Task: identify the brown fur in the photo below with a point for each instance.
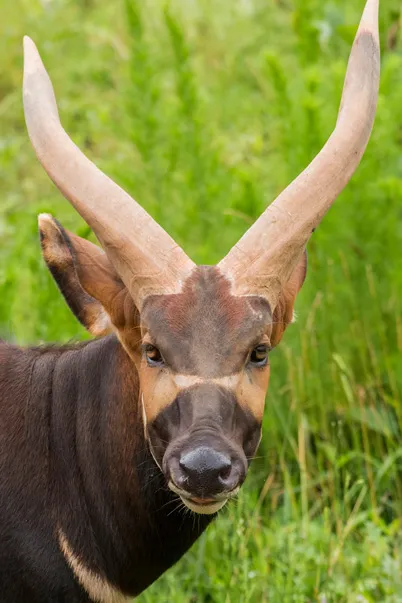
(100, 433)
(204, 331)
(59, 259)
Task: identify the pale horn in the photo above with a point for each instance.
(145, 256)
(265, 257)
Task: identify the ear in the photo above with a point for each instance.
(284, 311)
(86, 278)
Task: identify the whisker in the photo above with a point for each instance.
(178, 508)
(169, 502)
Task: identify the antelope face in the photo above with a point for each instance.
(205, 332)
(201, 355)
(204, 374)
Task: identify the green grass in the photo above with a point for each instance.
(204, 111)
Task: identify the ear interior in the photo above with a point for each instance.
(83, 274)
(284, 310)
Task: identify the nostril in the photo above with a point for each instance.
(225, 471)
(180, 478)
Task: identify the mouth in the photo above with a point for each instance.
(207, 507)
(203, 506)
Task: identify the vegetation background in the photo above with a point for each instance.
(204, 110)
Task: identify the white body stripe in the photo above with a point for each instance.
(98, 589)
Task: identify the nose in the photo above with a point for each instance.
(206, 472)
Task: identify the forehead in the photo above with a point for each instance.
(205, 330)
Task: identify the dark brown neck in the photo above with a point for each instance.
(91, 466)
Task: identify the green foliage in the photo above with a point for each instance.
(204, 111)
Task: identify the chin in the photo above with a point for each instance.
(204, 507)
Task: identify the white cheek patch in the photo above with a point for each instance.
(98, 589)
(184, 381)
(147, 439)
(144, 416)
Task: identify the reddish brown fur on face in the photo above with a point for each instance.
(205, 330)
(178, 308)
(207, 334)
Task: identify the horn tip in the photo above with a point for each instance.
(32, 60)
(369, 20)
(28, 44)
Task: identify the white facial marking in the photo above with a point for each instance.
(196, 507)
(204, 509)
(229, 382)
(144, 415)
(147, 439)
(98, 589)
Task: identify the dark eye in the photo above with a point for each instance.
(153, 355)
(259, 356)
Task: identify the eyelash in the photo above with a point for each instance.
(261, 349)
(152, 355)
(154, 358)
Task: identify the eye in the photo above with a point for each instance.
(153, 355)
(259, 356)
